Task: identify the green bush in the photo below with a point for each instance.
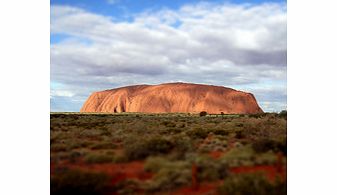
(142, 148)
(283, 114)
(168, 124)
(74, 156)
(154, 164)
(282, 146)
(171, 130)
(59, 147)
(103, 145)
(80, 144)
(183, 125)
(120, 158)
(220, 132)
(258, 115)
(79, 182)
(159, 145)
(197, 133)
(263, 145)
(93, 158)
(127, 187)
(91, 133)
(252, 183)
(239, 134)
(240, 156)
(267, 158)
(182, 144)
(168, 174)
(209, 169)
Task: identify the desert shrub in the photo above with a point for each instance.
(73, 157)
(257, 115)
(59, 147)
(105, 131)
(205, 148)
(239, 134)
(282, 146)
(214, 144)
(170, 178)
(220, 132)
(103, 145)
(127, 187)
(203, 113)
(172, 130)
(143, 148)
(168, 174)
(59, 135)
(168, 124)
(252, 183)
(264, 145)
(182, 125)
(267, 158)
(92, 158)
(182, 144)
(76, 144)
(197, 133)
(154, 164)
(209, 169)
(120, 158)
(79, 182)
(159, 145)
(283, 114)
(90, 133)
(59, 156)
(239, 156)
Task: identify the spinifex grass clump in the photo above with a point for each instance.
(168, 174)
(95, 158)
(252, 183)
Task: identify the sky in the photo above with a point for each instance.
(104, 44)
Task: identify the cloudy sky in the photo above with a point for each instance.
(103, 44)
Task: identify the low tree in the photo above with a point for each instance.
(283, 114)
(203, 113)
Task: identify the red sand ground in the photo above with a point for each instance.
(202, 188)
(119, 171)
(271, 171)
(135, 170)
(216, 154)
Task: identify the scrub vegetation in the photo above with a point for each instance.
(135, 153)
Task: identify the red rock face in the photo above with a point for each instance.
(172, 97)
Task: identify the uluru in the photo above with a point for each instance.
(172, 97)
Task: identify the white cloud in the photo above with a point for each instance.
(231, 45)
(62, 93)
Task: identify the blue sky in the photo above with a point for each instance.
(118, 8)
(103, 44)
(122, 10)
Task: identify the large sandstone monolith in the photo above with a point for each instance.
(172, 97)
